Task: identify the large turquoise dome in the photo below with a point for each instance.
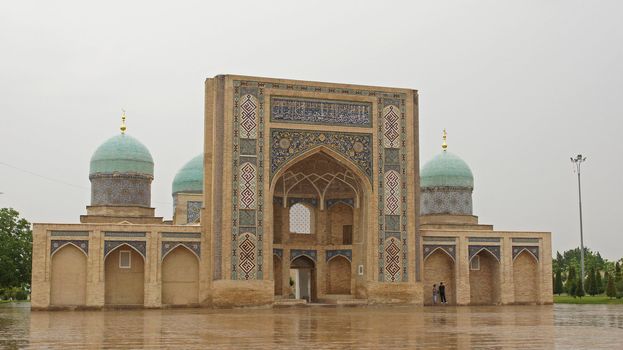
(446, 170)
(190, 178)
(122, 154)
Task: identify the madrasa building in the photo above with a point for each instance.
(304, 192)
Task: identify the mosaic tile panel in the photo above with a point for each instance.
(438, 239)
(278, 252)
(348, 201)
(347, 253)
(316, 111)
(295, 253)
(393, 266)
(69, 233)
(453, 202)
(124, 234)
(248, 117)
(140, 246)
(525, 240)
(247, 255)
(534, 250)
(484, 239)
(391, 127)
(493, 249)
(248, 186)
(247, 192)
(311, 201)
(121, 190)
(193, 210)
(167, 246)
(287, 144)
(392, 193)
(448, 248)
(58, 244)
(392, 180)
(181, 234)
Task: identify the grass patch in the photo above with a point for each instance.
(597, 299)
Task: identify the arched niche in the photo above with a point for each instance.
(68, 282)
(124, 275)
(180, 277)
(439, 266)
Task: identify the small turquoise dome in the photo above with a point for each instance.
(190, 178)
(446, 170)
(122, 154)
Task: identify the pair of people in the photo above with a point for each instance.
(441, 291)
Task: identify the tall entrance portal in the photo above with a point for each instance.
(315, 170)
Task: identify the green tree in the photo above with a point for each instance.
(15, 250)
(558, 289)
(599, 282)
(579, 289)
(617, 273)
(589, 282)
(611, 291)
(570, 284)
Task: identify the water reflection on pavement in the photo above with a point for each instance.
(372, 327)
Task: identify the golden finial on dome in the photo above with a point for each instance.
(444, 145)
(123, 127)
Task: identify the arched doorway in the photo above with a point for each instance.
(180, 277)
(322, 202)
(68, 285)
(525, 272)
(338, 276)
(439, 267)
(484, 279)
(124, 270)
(303, 272)
(278, 275)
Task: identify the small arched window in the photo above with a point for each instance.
(300, 219)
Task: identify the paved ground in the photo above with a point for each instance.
(376, 327)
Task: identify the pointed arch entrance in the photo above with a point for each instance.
(69, 276)
(439, 267)
(124, 276)
(180, 277)
(525, 278)
(484, 278)
(303, 272)
(336, 196)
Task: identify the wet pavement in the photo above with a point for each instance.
(372, 327)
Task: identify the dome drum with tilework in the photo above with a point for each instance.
(446, 186)
(121, 171)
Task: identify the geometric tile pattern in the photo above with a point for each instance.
(393, 265)
(248, 168)
(70, 233)
(392, 180)
(288, 143)
(248, 117)
(247, 255)
(120, 189)
(534, 250)
(139, 246)
(315, 111)
(449, 249)
(493, 249)
(347, 253)
(348, 201)
(81, 244)
(247, 186)
(167, 246)
(453, 201)
(193, 208)
(295, 253)
(392, 193)
(391, 127)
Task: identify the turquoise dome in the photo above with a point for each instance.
(446, 170)
(122, 154)
(190, 178)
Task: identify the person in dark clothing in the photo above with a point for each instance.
(442, 293)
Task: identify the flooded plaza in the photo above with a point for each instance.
(372, 327)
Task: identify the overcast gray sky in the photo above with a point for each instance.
(520, 85)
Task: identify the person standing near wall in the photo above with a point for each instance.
(442, 293)
(435, 292)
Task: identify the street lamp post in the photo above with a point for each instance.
(577, 161)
